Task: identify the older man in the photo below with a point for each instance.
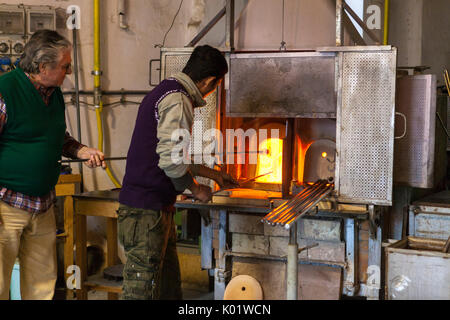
(32, 139)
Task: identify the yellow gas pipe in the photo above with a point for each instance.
(97, 90)
(386, 22)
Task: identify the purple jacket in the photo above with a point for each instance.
(145, 185)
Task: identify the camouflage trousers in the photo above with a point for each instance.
(152, 270)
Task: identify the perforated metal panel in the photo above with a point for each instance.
(414, 154)
(365, 126)
(173, 60)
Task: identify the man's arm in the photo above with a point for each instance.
(71, 147)
(176, 113)
(75, 150)
(223, 179)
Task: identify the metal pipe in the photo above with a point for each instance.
(229, 25)
(361, 23)
(386, 22)
(339, 30)
(292, 265)
(289, 203)
(109, 93)
(286, 209)
(301, 197)
(208, 27)
(301, 206)
(288, 143)
(77, 92)
(312, 197)
(304, 211)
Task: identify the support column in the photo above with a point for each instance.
(292, 265)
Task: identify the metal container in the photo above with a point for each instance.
(430, 217)
(417, 270)
(419, 159)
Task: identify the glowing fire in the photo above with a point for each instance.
(270, 161)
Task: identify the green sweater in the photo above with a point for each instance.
(32, 139)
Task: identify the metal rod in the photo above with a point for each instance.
(339, 31)
(443, 125)
(261, 175)
(229, 25)
(306, 210)
(275, 214)
(386, 22)
(288, 143)
(361, 23)
(306, 206)
(350, 27)
(289, 212)
(208, 27)
(77, 92)
(83, 160)
(245, 181)
(303, 204)
(300, 206)
(296, 201)
(108, 93)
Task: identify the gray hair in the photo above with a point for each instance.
(43, 47)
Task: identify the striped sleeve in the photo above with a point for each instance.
(71, 147)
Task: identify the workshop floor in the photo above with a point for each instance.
(188, 294)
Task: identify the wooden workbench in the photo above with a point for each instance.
(99, 204)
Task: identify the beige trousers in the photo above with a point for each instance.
(31, 238)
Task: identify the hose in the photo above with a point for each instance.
(97, 89)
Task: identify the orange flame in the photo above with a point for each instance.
(270, 161)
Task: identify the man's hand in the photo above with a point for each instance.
(225, 181)
(201, 192)
(96, 157)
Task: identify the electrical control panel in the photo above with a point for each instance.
(17, 25)
(12, 34)
(40, 17)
